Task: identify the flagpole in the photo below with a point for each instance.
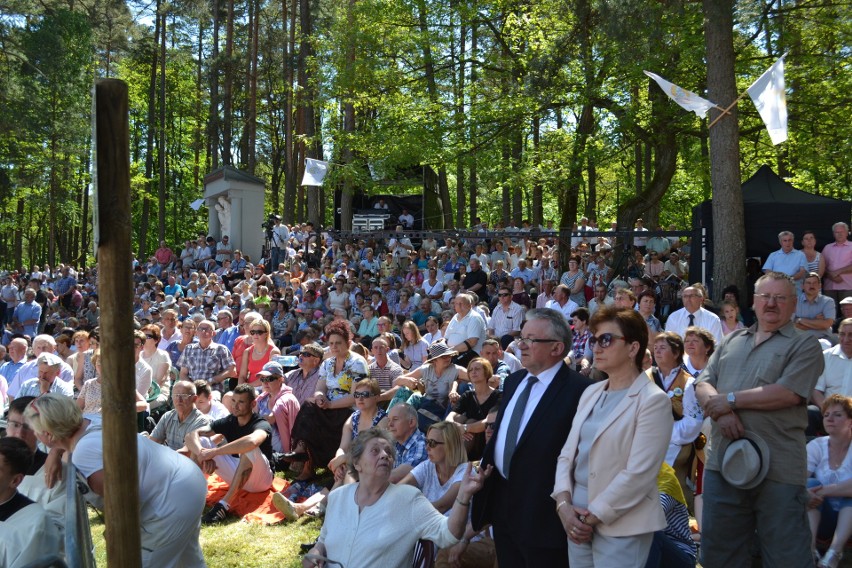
(725, 110)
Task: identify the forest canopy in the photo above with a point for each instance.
(524, 110)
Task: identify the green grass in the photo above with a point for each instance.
(237, 544)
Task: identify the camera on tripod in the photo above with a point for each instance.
(269, 224)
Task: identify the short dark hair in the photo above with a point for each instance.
(16, 453)
(631, 324)
(581, 313)
(19, 404)
(246, 388)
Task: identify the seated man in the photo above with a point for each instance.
(410, 442)
(49, 366)
(26, 533)
(243, 460)
(174, 426)
(33, 486)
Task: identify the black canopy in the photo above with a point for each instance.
(772, 205)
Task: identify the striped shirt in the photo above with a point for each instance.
(677, 524)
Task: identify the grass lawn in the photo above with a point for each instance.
(238, 544)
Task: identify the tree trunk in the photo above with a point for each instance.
(228, 95)
(728, 250)
(216, 64)
(460, 129)
(474, 51)
(163, 146)
(291, 163)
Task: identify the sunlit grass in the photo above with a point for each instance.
(238, 544)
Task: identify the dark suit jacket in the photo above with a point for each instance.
(522, 504)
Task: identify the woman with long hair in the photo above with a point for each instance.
(414, 349)
(259, 353)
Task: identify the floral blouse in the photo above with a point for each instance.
(338, 386)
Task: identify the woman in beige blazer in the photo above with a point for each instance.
(606, 477)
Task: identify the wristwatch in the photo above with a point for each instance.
(732, 400)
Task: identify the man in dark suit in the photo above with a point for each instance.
(538, 406)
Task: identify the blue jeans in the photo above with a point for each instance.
(666, 554)
(828, 512)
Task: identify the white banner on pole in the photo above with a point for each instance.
(315, 172)
(686, 99)
(770, 97)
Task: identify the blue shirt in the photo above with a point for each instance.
(413, 451)
(227, 337)
(28, 311)
(31, 388)
(9, 368)
(787, 262)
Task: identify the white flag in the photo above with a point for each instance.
(686, 99)
(315, 171)
(196, 205)
(770, 98)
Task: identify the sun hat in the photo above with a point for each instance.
(439, 349)
(745, 462)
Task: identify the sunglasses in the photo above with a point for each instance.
(489, 425)
(149, 336)
(362, 394)
(434, 443)
(604, 339)
(257, 331)
(269, 379)
(306, 354)
(503, 295)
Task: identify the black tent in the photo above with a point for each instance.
(771, 205)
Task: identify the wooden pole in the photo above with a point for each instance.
(727, 109)
(121, 499)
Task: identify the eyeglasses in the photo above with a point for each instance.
(257, 331)
(137, 344)
(434, 443)
(269, 379)
(503, 295)
(604, 339)
(530, 340)
(489, 425)
(362, 394)
(204, 329)
(778, 298)
(16, 424)
(179, 396)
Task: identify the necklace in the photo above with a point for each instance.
(838, 459)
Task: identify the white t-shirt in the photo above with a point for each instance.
(426, 475)
(144, 376)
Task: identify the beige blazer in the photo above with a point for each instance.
(625, 458)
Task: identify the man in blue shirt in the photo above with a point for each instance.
(227, 333)
(409, 441)
(17, 353)
(788, 260)
(27, 314)
(48, 379)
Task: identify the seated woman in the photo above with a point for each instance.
(673, 546)
(830, 480)
(160, 364)
(376, 523)
(434, 381)
(367, 415)
(316, 432)
(258, 353)
(414, 349)
(474, 405)
(439, 476)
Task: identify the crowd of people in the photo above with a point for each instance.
(472, 402)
